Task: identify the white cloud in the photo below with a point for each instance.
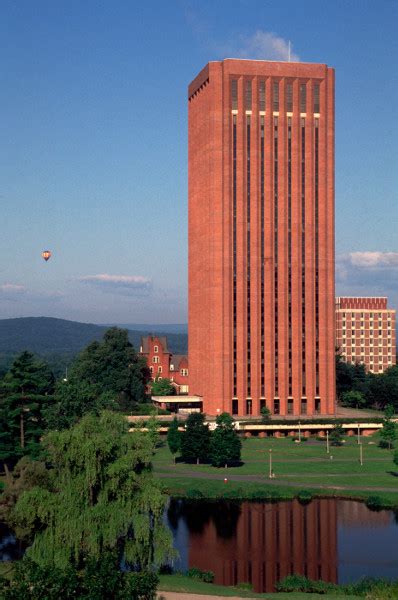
(265, 45)
(12, 288)
(374, 260)
(368, 274)
(121, 284)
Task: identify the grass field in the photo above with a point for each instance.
(181, 583)
(296, 467)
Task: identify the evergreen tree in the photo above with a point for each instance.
(195, 439)
(225, 445)
(103, 498)
(25, 395)
(174, 438)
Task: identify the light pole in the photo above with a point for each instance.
(327, 441)
(360, 454)
(270, 463)
(299, 424)
(359, 434)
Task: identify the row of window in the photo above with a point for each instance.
(373, 335)
(276, 406)
(366, 315)
(183, 372)
(275, 100)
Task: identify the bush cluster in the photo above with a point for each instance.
(206, 576)
(100, 579)
(368, 587)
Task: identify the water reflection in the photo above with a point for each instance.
(262, 543)
(10, 547)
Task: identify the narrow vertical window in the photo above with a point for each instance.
(262, 248)
(289, 97)
(276, 322)
(261, 95)
(303, 345)
(234, 94)
(234, 262)
(275, 96)
(248, 95)
(248, 290)
(303, 98)
(316, 98)
(316, 181)
(289, 250)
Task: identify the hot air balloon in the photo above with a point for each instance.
(46, 254)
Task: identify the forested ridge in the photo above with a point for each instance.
(57, 341)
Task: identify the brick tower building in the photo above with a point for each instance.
(261, 237)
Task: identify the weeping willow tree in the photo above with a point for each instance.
(103, 498)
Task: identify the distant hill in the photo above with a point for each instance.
(166, 328)
(59, 340)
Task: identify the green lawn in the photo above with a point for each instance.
(181, 583)
(296, 466)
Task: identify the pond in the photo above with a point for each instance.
(260, 543)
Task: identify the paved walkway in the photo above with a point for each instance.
(276, 481)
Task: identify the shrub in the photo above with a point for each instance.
(368, 587)
(244, 586)
(141, 586)
(304, 496)
(194, 494)
(296, 438)
(299, 583)
(374, 502)
(195, 573)
(384, 444)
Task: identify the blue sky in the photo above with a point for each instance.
(93, 153)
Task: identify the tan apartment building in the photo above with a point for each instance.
(365, 332)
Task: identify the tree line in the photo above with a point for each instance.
(196, 443)
(106, 375)
(79, 489)
(356, 388)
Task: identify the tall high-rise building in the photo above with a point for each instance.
(365, 332)
(261, 237)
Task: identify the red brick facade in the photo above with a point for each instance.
(365, 332)
(162, 363)
(261, 237)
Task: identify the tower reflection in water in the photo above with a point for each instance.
(260, 543)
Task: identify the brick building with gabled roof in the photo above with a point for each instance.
(163, 364)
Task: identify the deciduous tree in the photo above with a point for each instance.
(388, 433)
(104, 497)
(336, 435)
(353, 399)
(162, 387)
